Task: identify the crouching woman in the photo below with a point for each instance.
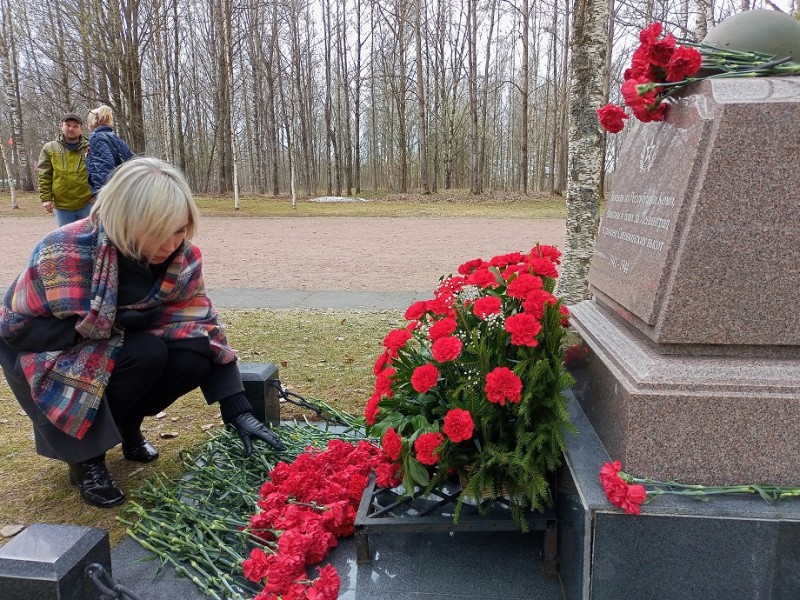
(110, 323)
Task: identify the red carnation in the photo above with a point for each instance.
(523, 328)
(442, 328)
(501, 385)
(424, 378)
(648, 112)
(524, 284)
(446, 348)
(482, 278)
(640, 65)
(564, 315)
(685, 62)
(619, 492)
(662, 50)
(543, 267)
(395, 340)
(638, 92)
(612, 117)
(388, 475)
(383, 382)
(426, 446)
(416, 311)
(392, 443)
(487, 305)
(256, 567)
(382, 361)
(650, 34)
(470, 266)
(441, 305)
(450, 286)
(371, 410)
(546, 251)
(503, 260)
(534, 303)
(458, 425)
(326, 586)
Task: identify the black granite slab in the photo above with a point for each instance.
(48, 562)
(729, 547)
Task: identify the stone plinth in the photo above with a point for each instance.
(263, 397)
(695, 369)
(48, 562)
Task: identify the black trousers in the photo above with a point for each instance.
(150, 374)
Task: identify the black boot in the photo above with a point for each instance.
(136, 447)
(96, 485)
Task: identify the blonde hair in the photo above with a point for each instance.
(102, 115)
(145, 199)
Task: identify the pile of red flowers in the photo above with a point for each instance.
(659, 67)
(621, 493)
(472, 384)
(305, 506)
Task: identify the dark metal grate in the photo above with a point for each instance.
(390, 511)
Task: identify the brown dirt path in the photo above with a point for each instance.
(325, 253)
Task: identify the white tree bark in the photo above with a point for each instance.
(586, 140)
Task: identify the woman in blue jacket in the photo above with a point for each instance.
(106, 149)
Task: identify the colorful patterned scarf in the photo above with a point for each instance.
(74, 271)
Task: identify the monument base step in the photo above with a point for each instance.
(711, 420)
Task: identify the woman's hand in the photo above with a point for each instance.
(248, 427)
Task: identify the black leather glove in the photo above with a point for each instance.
(137, 320)
(248, 427)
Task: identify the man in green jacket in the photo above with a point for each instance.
(63, 183)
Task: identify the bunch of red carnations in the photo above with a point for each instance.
(660, 68)
(305, 506)
(472, 384)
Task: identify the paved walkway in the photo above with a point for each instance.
(324, 262)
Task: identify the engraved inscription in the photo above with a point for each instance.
(632, 218)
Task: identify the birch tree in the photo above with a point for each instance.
(589, 48)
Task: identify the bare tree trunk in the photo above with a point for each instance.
(704, 10)
(524, 91)
(12, 186)
(472, 50)
(563, 154)
(485, 96)
(330, 136)
(590, 44)
(227, 41)
(357, 103)
(423, 126)
(176, 87)
(273, 80)
(8, 64)
(344, 92)
(287, 123)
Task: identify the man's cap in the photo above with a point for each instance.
(72, 117)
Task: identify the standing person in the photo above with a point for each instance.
(120, 331)
(63, 183)
(107, 150)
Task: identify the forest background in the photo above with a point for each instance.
(327, 96)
